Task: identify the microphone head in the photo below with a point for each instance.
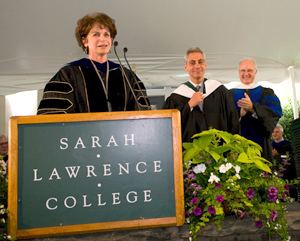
(116, 43)
(125, 50)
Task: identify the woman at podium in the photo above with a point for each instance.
(94, 84)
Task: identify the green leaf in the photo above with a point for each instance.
(214, 155)
(225, 136)
(197, 160)
(262, 166)
(190, 154)
(219, 211)
(224, 148)
(187, 145)
(262, 159)
(244, 158)
(202, 142)
(203, 133)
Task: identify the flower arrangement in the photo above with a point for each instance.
(3, 200)
(225, 174)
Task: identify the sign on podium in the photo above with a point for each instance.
(95, 172)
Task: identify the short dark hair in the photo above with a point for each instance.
(193, 50)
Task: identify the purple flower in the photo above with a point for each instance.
(211, 210)
(208, 162)
(198, 188)
(200, 157)
(187, 214)
(185, 172)
(266, 174)
(194, 200)
(283, 197)
(250, 193)
(192, 176)
(286, 187)
(273, 215)
(272, 197)
(185, 179)
(193, 185)
(197, 211)
(258, 223)
(273, 190)
(219, 198)
(217, 185)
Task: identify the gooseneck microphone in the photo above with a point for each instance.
(136, 81)
(124, 74)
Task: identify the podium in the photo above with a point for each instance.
(94, 172)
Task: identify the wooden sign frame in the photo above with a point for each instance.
(177, 220)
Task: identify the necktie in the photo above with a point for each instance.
(198, 87)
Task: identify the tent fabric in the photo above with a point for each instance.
(37, 38)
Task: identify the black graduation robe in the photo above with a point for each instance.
(283, 147)
(219, 110)
(258, 126)
(290, 172)
(76, 88)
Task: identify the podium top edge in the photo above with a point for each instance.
(95, 116)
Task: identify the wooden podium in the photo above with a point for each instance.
(95, 172)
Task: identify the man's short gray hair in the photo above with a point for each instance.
(192, 50)
(278, 126)
(3, 137)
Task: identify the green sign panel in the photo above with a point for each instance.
(77, 173)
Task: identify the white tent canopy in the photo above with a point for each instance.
(37, 38)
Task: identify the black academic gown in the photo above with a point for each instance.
(258, 127)
(76, 88)
(219, 110)
(283, 148)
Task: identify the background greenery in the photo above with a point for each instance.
(287, 117)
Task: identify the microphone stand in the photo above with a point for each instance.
(123, 72)
(136, 82)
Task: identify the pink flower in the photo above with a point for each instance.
(219, 198)
(272, 197)
(286, 187)
(283, 197)
(198, 188)
(217, 185)
(250, 193)
(258, 223)
(194, 200)
(211, 210)
(273, 215)
(273, 190)
(192, 176)
(197, 211)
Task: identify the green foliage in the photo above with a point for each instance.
(3, 200)
(287, 117)
(225, 173)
